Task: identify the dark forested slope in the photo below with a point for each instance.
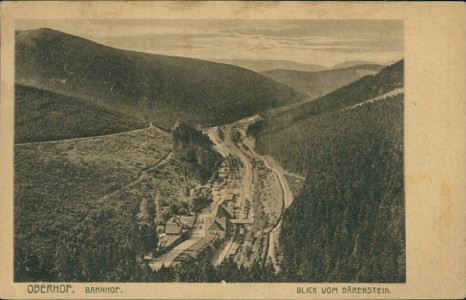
(162, 88)
(347, 224)
(368, 87)
(45, 116)
(195, 149)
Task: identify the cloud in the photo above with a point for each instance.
(306, 41)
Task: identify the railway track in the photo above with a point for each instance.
(243, 155)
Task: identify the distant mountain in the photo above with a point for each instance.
(391, 62)
(316, 84)
(389, 79)
(347, 223)
(353, 63)
(265, 65)
(156, 87)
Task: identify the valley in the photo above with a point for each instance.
(152, 174)
(316, 84)
(136, 167)
(156, 88)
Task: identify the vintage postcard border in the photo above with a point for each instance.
(434, 142)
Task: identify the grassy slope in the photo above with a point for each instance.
(45, 116)
(317, 84)
(347, 223)
(162, 88)
(76, 201)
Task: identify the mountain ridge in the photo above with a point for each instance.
(42, 116)
(353, 63)
(389, 78)
(158, 87)
(347, 223)
(319, 83)
(269, 64)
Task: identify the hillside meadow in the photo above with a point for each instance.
(76, 203)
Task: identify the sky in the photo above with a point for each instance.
(321, 42)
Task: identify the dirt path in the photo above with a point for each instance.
(96, 136)
(287, 199)
(274, 165)
(143, 173)
(168, 258)
(224, 253)
(378, 98)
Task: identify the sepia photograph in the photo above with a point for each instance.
(208, 150)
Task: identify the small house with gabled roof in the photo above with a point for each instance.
(173, 226)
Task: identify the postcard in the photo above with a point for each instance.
(232, 150)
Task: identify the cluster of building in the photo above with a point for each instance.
(175, 231)
(218, 221)
(226, 188)
(223, 220)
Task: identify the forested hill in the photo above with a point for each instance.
(161, 88)
(41, 115)
(261, 65)
(352, 63)
(318, 83)
(371, 86)
(347, 223)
